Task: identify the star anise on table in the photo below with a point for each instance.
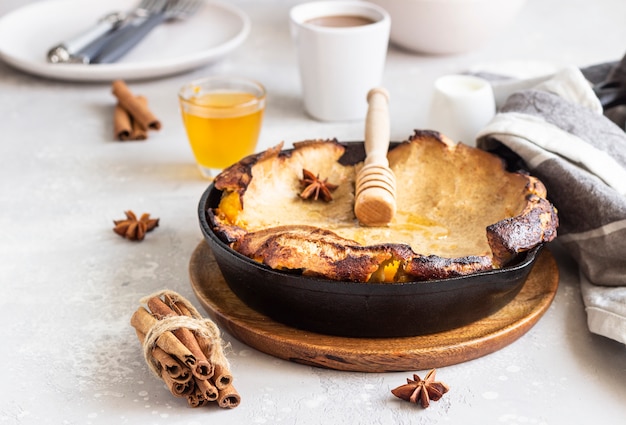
(133, 228)
(421, 391)
(316, 188)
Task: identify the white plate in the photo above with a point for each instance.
(27, 34)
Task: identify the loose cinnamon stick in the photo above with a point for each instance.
(139, 112)
(203, 369)
(122, 125)
(228, 397)
(143, 321)
(138, 132)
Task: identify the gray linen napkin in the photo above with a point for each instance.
(558, 129)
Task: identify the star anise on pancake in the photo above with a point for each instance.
(421, 391)
(316, 188)
(133, 228)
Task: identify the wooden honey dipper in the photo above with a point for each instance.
(375, 194)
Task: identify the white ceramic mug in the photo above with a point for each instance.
(339, 64)
(461, 106)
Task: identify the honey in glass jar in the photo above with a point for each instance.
(223, 118)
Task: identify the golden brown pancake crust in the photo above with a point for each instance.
(459, 212)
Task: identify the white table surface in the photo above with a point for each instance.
(70, 285)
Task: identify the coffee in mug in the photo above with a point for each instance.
(341, 46)
(341, 21)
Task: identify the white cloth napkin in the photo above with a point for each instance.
(558, 129)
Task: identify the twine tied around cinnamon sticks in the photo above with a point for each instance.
(185, 350)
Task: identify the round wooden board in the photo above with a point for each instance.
(376, 354)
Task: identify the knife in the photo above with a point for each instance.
(84, 47)
(66, 51)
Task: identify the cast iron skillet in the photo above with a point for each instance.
(367, 310)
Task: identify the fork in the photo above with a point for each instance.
(82, 47)
(142, 12)
(127, 37)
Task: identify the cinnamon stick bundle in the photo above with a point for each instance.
(168, 365)
(132, 117)
(202, 369)
(143, 322)
(184, 350)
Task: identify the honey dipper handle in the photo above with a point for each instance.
(377, 131)
(375, 186)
